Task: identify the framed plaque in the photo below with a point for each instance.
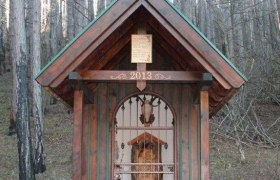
(141, 48)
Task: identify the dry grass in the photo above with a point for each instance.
(260, 163)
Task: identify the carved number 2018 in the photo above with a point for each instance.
(140, 75)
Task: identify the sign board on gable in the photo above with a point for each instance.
(141, 48)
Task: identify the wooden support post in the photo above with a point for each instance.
(204, 110)
(77, 84)
(77, 135)
(141, 84)
(206, 81)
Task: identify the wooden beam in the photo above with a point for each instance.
(141, 84)
(151, 76)
(202, 85)
(204, 110)
(77, 135)
(78, 85)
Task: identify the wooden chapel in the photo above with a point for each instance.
(141, 80)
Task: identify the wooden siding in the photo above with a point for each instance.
(204, 108)
(98, 120)
(77, 135)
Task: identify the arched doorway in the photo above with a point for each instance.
(143, 138)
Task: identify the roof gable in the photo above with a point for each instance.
(146, 136)
(93, 42)
(72, 41)
(207, 40)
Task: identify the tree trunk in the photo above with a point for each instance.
(187, 7)
(70, 19)
(37, 99)
(54, 27)
(90, 10)
(190, 11)
(80, 16)
(7, 64)
(12, 126)
(237, 29)
(224, 35)
(278, 10)
(26, 168)
(60, 25)
(202, 16)
(3, 36)
(274, 27)
(210, 20)
(2, 53)
(100, 6)
(28, 25)
(108, 2)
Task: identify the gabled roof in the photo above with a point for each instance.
(146, 136)
(88, 49)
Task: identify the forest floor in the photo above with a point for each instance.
(260, 164)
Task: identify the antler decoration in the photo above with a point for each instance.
(144, 99)
(147, 117)
(138, 97)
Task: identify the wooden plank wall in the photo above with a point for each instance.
(98, 119)
(77, 134)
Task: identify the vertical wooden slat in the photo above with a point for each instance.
(89, 141)
(190, 97)
(102, 120)
(94, 142)
(180, 131)
(174, 100)
(185, 159)
(77, 135)
(113, 103)
(195, 149)
(204, 110)
(108, 136)
(84, 141)
(198, 140)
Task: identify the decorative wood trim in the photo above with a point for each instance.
(151, 76)
(77, 135)
(204, 110)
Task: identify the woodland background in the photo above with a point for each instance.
(245, 135)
